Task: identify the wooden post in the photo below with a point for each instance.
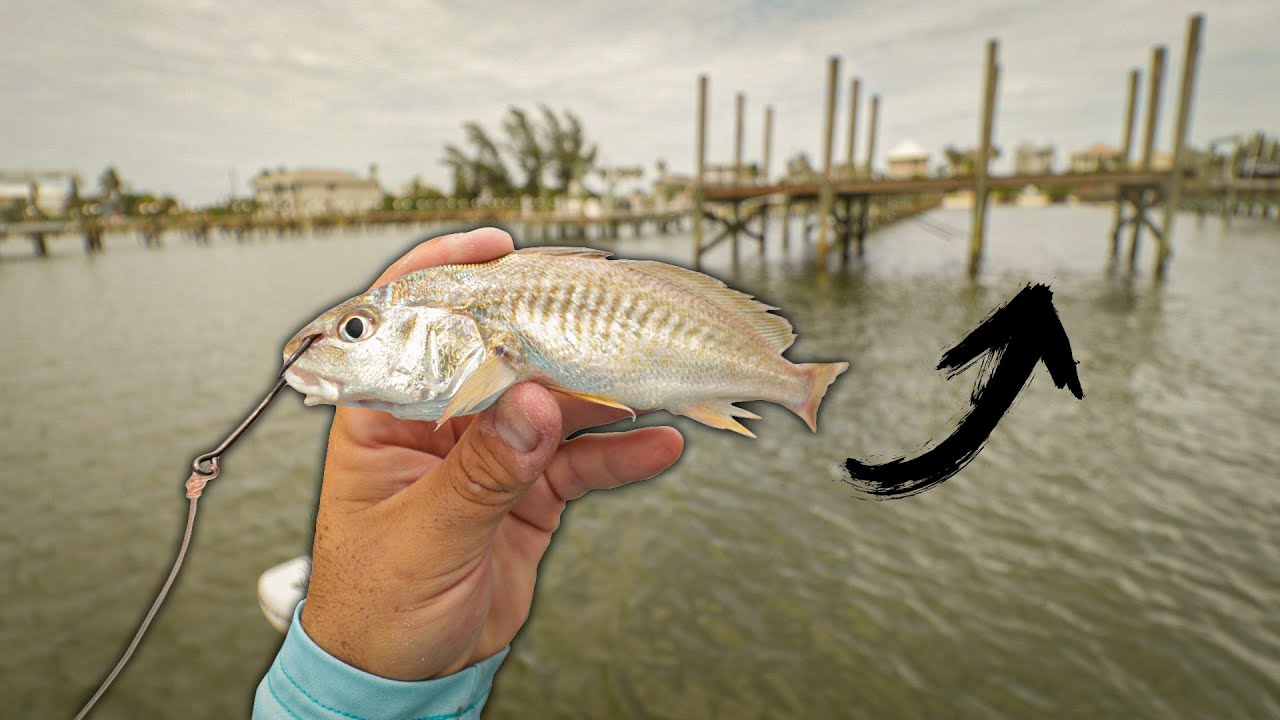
(768, 144)
(1186, 86)
(855, 88)
(737, 139)
(1130, 114)
(786, 225)
(1130, 107)
(737, 168)
(871, 134)
(1148, 142)
(700, 160)
(828, 132)
(980, 190)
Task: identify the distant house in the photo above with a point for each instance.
(307, 192)
(724, 174)
(908, 160)
(1097, 158)
(960, 163)
(1031, 159)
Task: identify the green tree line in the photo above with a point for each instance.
(547, 152)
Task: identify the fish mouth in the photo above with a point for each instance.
(318, 390)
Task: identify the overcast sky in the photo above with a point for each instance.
(182, 93)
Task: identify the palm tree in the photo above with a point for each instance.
(489, 171)
(525, 147)
(110, 185)
(463, 168)
(570, 158)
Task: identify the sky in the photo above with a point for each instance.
(188, 96)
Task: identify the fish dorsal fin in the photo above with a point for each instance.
(774, 329)
(569, 251)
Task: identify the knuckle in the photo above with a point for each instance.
(480, 477)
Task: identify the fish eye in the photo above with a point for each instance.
(357, 326)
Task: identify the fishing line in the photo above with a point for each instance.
(203, 469)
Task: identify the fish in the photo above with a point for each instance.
(637, 335)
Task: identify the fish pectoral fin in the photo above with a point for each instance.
(597, 399)
(492, 377)
(719, 415)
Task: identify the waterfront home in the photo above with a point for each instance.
(1097, 158)
(908, 160)
(310, 191)
(1031, 159)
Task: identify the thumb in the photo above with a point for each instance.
(500, 455)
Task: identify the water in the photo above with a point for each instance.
(1116, 557)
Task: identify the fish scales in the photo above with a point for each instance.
(634, 334)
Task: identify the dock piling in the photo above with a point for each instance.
(768, 145)
(981, 164)
(1148, 143)
(828, 131)
(1130, 114)
(855, 88)
(740, 106)
(1186, 87)
(872, 121)
(700, 162)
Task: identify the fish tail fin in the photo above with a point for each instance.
(819, 377)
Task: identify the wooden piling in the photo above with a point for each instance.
(855, 87)
(1186, 87)
(872, 120)
(980, 190)
(768, 145)
(1130, 108)
(737, 168)
(828, 131)
(700, 161)
(1148, 142)
(737, 138)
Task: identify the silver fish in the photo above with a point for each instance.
(636, 335)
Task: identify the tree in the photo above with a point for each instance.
(110, 185)
(800, 169)
(488, 170)
(464, 180)
(570, 157)
(524, 145)
(559, 146)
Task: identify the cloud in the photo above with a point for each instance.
(177, 94)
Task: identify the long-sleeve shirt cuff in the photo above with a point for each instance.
(307, 682)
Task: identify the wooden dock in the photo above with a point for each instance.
(840, 205)
(202, 228)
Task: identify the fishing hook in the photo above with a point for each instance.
(203, 469)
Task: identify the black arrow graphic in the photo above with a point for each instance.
(1013, 339)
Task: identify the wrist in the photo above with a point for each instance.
(306, 679)
(395, 646)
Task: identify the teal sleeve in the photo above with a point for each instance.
(306, 682)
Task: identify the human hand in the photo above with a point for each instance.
(428, 541)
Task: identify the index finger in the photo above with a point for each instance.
(459, 248)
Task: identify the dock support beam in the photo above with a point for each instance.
(737, 163)
(1126, 149)
(763, 177)
(1148, 142)
(828, 130)
(700, 161)
(855, 88)
(1186, 87)
(980, 189)
(871, 134)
